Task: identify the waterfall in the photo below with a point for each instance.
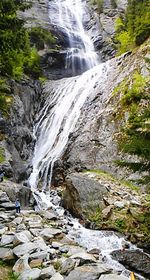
(65, 98)
(68, 15)
(58, 118)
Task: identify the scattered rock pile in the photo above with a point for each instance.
(37, 243)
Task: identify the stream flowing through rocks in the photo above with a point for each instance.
(57, 120)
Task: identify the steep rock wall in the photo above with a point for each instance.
(16, 128)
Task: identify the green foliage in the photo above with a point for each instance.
(32, 64)
(2, 155)
(120, 223)
(13, 276)
(134, 29)
(134, 93)
(5, 98)
(39, 37)
(95, 215)
(15, 51)
(135, 133)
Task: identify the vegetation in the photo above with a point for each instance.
(6, 270)
(2, 155)
(16, 55)
(5, 97)
(99, 4)
(39, 37)
(133, 107)
(134, 29)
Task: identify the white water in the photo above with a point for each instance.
(65, 98)
(68, 15)
(58, 118)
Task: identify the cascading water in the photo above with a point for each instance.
(65, 99)
(68, 15)
(61, 110)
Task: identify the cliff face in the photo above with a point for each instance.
(16, 128)
(94, 143)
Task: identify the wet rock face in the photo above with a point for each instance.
(134, 260)
(81, 193)
(101, 26)
(18, 139)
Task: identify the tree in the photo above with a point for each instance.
(15, 48)
(134, 29)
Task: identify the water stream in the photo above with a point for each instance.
(61, 111)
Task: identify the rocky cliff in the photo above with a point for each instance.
(95, 141)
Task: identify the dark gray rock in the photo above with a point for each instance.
(81, 193)
(135, 260)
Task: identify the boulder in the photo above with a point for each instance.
(22, 237)
(88, 272)
(23, 249)
(42, 255)
(47, 272)
(49, 233)
(135, 260)
(6, 254)
(113, 277)
(3, 197)
(49, 215)
(36, 263)
(82, 193)
(67, 266)
(21, 265)
(8, 205)
(33, 274)
(84, 258)
(7, 239)
(57, 276)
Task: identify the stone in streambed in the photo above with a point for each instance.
(22, 264)
(6, 254)
(7, 239)
(88, 272)
(84, 258)
(134, 259)
(79, 192)
(22, 237)
(47, 272)
(113, 277)
(33, 274)
(57, 276)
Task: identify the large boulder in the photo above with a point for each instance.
(135, 260)
(82, 193)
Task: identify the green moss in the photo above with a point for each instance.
(57, 265)
(134, 109)
(5, 98)
(99, 4)
(136, 92)
(94, 214)
(2, 155)
(120, 224)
